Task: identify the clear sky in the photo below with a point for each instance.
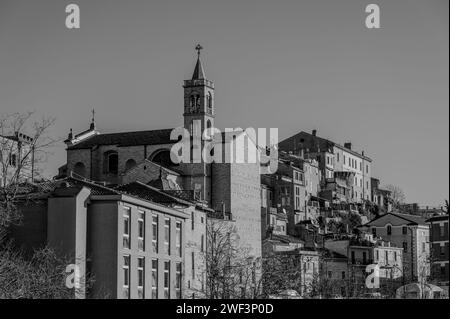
(296, 65)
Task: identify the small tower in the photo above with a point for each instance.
(198, 116)
(198, 99)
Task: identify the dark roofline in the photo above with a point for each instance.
(402, 216)
(339, 146)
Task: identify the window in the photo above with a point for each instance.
(367, 169)
(364, 257)
(395, 256)
(374, 232)
(386, 257)
(424, 247)
(126, 227)
(192, 220)
(154, 279)
(389, 230)
(141, 230)
(377, 254)
(353, 258)
(405, 247)
(111, 162)
(442, 230)
(141, 277)
(404, 230)
(130, 164)
(167, 236)
(126, 277)
(344, 159)
(193, 265)
(202, 247)
(330, 274)
(178, 280)
(178, 238)
(343, 275)
(337, 157)
(155, 233)
(166, 279)
(442, 250)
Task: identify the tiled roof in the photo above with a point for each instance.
(150, 193)
(419, 220)
(153, 137)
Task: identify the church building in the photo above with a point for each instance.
(232, 190)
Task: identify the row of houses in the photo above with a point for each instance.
(122, 210)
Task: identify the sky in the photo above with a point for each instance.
(290, 64)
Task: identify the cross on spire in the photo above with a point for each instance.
(93, 120)
(198, 48)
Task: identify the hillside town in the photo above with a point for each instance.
(136, 225)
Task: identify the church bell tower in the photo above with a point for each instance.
(198, 100)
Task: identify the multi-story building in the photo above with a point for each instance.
(333, 158)
(132, 239)
(409, 232)
(381, 197)
(439, 249)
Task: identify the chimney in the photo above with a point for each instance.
(314, 132)
(348, 145)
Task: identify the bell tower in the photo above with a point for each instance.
(198, 116)
(198, 100)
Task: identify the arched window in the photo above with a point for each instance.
(192, 102)
(111, 162)
(79, 169)
(210, 102)
(389, 230)
(130, 164)
(162, 157)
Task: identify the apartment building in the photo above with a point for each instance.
(133, 239)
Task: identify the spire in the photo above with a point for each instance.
(199, 73)
(92, 127)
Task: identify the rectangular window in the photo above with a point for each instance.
(395, 256)
(126, 227)
(378, 254)
(155, 233)
(154, 279)
(442, 250)
(405, 247)
(193, 265)
(141, 230)
(178, 280)
(364, 257)
(343, 275)
(367, 169)
(386, 257)
(167, 236)
(166, 279)
(374, 232)
(353, 258)
(423, 247)
(141, 277)
(337, 155)
(202, 247)
(404, 230)
(126, 276)
(192, 221)
(178, 239)
(441, 231)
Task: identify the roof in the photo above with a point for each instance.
(326, 253)
(153, 194)
(325, 144)
(285, 239)
(199, 73)
(438, 218)
(153, 137)
(414, 219)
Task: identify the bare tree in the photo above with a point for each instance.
(24, 142)
(397, 195)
